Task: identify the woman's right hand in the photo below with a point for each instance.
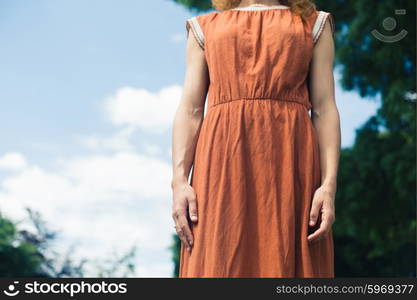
(184, 205)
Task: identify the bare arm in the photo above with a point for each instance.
(187, 122)
(326, 120)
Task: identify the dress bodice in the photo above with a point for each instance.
(258, 52)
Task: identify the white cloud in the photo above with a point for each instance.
(117, 142)
(100, 201)
(152, 149)
(117, 196)
(150, 112)
(12, 161)
(354, 112)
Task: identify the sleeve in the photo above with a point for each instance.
(322, 17)
(194, 25)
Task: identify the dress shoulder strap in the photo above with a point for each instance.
(322, 17)
(194, 25)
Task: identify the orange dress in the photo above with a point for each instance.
(256, 163)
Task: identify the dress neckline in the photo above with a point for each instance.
(260, 7)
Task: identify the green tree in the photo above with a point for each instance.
(375, 227)
(17, 257)
(376, 199)
(195, 5)
(176, 246)
(25, 253)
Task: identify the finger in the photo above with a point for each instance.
(314, 212)
(315, 236)
(192, 208)
(183, 223)
(183, 238)
(319, 233)
(178, 227)
(186, 229)
(180, 234)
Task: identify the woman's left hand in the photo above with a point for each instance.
(323, 206)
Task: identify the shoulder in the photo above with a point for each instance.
(202, 21)
(317, 15)
(316, 21)
(205, 18)
(199, 25)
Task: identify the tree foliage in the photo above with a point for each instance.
(32, 253)
(195, 5)
(18, 257)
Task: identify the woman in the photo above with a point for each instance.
(260, 202)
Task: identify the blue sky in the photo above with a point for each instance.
(88, 91)
(61, 58)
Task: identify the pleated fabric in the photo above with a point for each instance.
(257, 163)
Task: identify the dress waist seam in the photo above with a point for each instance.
(259, 98)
